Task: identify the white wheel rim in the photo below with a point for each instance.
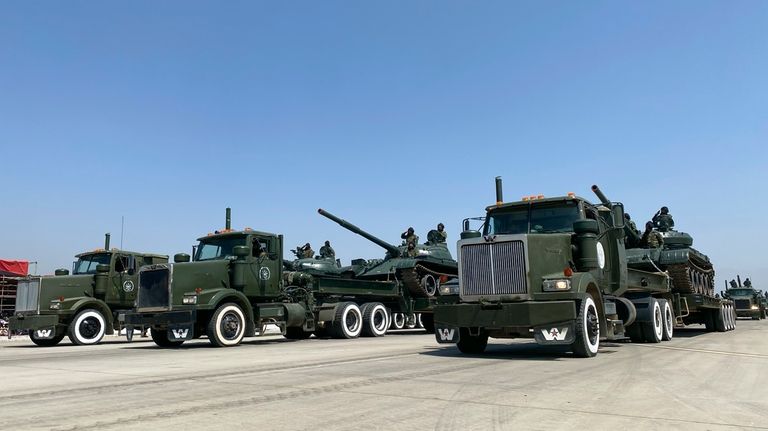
(590, 304)
(399, 319)
(91, 314)
(658, 324)
(379, 320)
(351, 324)
(240, 330)
(668, 320)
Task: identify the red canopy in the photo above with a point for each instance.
(14, 267)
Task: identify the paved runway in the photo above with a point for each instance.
(713, 381)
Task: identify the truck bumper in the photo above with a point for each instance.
(33, 322)
(161, 319)
(517, 314)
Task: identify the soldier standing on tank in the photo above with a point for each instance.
(409, 236)
(663, 220)
(747, 282)
(411, 249)
(307, 252)
(327, 251)
(630, 223)
(651, 238)
(442, 235)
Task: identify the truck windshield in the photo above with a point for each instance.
(534, 219)
(740, 292)
(87, 264)
(219, 248)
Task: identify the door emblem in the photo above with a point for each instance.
(264, 273)
(128, 286)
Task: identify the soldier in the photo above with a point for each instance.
(630, 223)
(412, 252)
(663, 220)
(307, 252)
(327, 251)
(747, 283)
(409, 236)
(437, 236)
(733, 284)
(442, 234)
(651, 238)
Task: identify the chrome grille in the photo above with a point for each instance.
(493, 269)
(742, 304)
(27, 294)
(154, 291)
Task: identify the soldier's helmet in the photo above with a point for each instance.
(410, 230)
(440, 226)
(328, 243)
(664, 210)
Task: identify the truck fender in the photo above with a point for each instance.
(583, 283)
(231, 295)
(85, 302)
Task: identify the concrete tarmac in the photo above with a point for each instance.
(406, 381)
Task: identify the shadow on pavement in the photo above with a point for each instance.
(526, 351)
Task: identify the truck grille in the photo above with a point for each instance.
(493, 269)
(27, 294)
(154, 288)
(742, 304)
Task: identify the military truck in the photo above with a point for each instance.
(235, 285)
(748, 301)
(556, 270)
(82, 305)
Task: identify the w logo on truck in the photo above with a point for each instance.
(447, 335)
(554, 334)
(44, 333)
(180, 333)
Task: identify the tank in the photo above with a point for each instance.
(420, 274)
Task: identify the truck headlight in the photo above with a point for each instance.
(449, 289)
(754, 307)
(55, 305)
(189, 299)
(556, 285)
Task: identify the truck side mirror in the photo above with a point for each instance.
(241, 251)
(180, 257)
(102, 268)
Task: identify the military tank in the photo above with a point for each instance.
(421, 274)
(691, 271)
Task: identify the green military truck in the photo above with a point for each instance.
(237, 283)
(748, 301)
(82, 305)
(556, 270)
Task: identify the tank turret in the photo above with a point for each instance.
(421, 270)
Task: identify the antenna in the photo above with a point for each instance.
(122, 226)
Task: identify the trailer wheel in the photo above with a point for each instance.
(398, 320)
(227, 326)
(587, 332)
(87, 328)
(428, 320)
(348, 321)
(160, 337)
(710, 318)
(668, 318)
(417, 319)
(720, 319)
(296, 333)
(410, 321)
(732, 314)
(635, 333)
(654, 330)
(472, 344)
(375, 319)
(47, 342)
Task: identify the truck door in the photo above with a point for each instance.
(266, 267)
(124, 280)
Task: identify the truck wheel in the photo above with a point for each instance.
(296, 333)
(348, 321)
(668, 318)
(160, 337)
(47, 342)
(419, 323)
(398, 320)
(375, 319)
(720, 319)
(227, 326)
(428, 320)
(654, 330)
(410, 321)
(472, 344)
(88, 327)
(587, 329)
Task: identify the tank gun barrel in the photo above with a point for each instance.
(393, 250)
(599, 193)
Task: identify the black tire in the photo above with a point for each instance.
(635, 333)
(375, 319)
(653, 330)
(227, 326)
(668, 320)
(428, 320)
(720, 319)
(87, 328)
(47, 342)
(347, 321)
(160, 337)
(472, 344)
(587, 334)
(296, 333)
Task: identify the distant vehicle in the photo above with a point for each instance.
(748, 301)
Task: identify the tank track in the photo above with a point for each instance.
(411, 278)
(691, 278)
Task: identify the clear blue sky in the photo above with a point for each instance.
(388, 114)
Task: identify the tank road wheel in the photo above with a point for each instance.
(227, 326)
(398, 320)
(720, 317)
(654, 330)
(472, 344)
(47, 342)
(160, 337)
(88, 327)
(668, 318)
(348, 321)
(430, 285)
(587, 329)
(296, 333)
(428, 320)
(375, 319)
